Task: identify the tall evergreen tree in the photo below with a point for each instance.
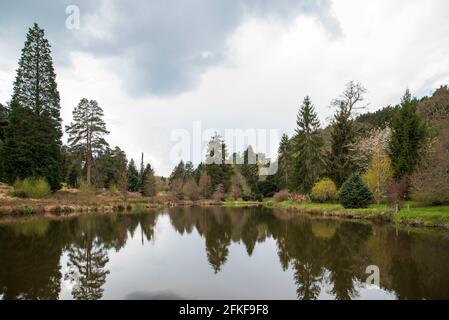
(284, 163)
(133, 176)
(219, 171)
(250, 168)
(307, 148)
(33, 136)
(3, 123)
(407, 139)
(86, 133)
(340, 160)
(141, 185)
(150, 184)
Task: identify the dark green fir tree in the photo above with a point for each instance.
(307, 146)
(32, 146)
(407, 139)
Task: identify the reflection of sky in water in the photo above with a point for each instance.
(175, 266)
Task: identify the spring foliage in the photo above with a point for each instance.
(324, 191)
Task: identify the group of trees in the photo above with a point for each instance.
(399, 150)
(31, 132)
(385, 147)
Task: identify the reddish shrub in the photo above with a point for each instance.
(396, 192)
(281, 196)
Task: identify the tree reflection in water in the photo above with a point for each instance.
(325, 257)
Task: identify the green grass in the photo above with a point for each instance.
(239, 203)
(438, 215)
(336, 208)
(411, 212)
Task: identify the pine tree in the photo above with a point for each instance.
(341, 157)
(250, 168)
(307, 148)
(86, 133)
(284, 163)
(150, 183)
(189, 170)
(133, 176)
(407, 139)
(219, 171)
(33, 137)
(141, 185)
(3, 123)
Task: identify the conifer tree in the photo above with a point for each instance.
(3, 124)
(3, 121)
(407, 139)
(150, 183)
(307, 148)
(141, 185)
(341, 157)
(133, 176)
(86, 133)
(219, 171)
(284, 163)
(250, 168)
(32, 144)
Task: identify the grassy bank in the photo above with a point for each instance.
(411, 214)
(68, 201)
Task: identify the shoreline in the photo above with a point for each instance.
(373, 213)
(382, 214)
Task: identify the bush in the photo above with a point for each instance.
(355, 193)
(113, 189)
(85, 188)
(396, 192)
(191, 190)
(281, 196)
(267, 188)
(299, 198)
(32, 188)
(324, 191)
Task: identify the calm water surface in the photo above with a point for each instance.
(218, 253)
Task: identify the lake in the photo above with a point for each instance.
(219, 253)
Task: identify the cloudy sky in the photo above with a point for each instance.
(158, 67)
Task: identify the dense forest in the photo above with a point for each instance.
(395, 153)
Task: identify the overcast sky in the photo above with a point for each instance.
(159, 66)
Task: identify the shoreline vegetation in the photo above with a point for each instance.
(70, 202)
(378, 166)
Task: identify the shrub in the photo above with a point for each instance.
(32, 188)
(324, 191)
(191, 190)
(113, 189)
(85, 188)
(267, 188)
(281, 196)
(396, 192)
(299, 198)
(219, 193)
(355, 193)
